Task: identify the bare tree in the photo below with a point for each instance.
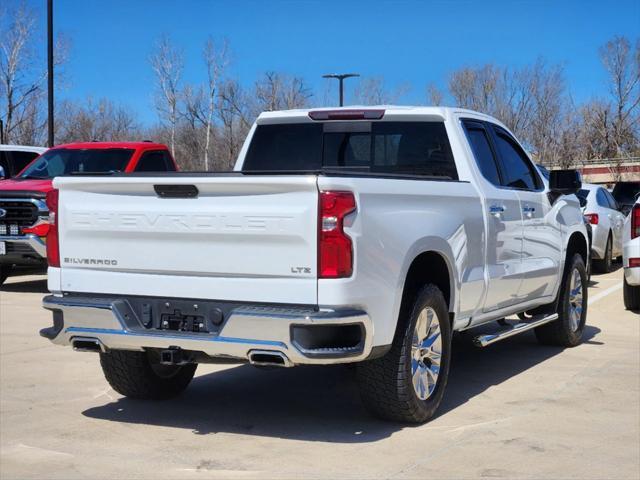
(622, 62)
(91, 120)
(372, 91)
(235, 114)
(276, 91)
(167, 63)
(22, 77)
(434, 95)
(216, 60)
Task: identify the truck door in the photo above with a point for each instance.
(542, 239)
(504, 223)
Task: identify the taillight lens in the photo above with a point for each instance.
(592, 218)
(335, 250)
(53, 248)
(635, 221)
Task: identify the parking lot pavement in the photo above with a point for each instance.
(513, 410)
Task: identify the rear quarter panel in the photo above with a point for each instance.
(396, 221)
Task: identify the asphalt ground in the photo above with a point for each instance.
(512, 410)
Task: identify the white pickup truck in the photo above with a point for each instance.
(349, 235)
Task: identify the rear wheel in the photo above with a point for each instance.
(567, 330)
(408, 383)
(604, 265)
(141, 375)
(631, 295)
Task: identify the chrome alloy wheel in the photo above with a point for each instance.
(575, 300)
(426, 352)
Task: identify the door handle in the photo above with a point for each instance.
(496, 210)
(528, 210)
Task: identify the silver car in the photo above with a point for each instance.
(606, 220)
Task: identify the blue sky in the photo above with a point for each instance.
(415, 42)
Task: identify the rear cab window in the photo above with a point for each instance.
(155, 161)
(385, 147)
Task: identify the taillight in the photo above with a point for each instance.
(592, 218)
(335, 250)
(634, 262)
(53, 249)
(635, 221)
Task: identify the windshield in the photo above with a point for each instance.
(414, 148)
(63, 161)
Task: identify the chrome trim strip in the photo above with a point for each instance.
(488, 339)
(30, 239)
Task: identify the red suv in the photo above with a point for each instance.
(24, 218)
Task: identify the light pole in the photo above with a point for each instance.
(341, 77)
(50, 70)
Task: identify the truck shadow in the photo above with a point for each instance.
(318, 403)
(28, 286)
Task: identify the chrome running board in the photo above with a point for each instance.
(489, 338)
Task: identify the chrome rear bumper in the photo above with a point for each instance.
(245, 329)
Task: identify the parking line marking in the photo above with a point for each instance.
(604, 293)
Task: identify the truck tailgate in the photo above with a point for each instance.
(242, 238)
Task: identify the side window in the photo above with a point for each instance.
(612, 201)
(158, 161)
(517, 169)
(601, 198)
(479, 141)
(21, 160)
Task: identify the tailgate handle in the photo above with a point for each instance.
(176, 191)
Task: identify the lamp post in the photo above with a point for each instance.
(50, 71)
(341, 77)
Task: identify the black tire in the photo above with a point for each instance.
(386, 385)
(631, 294)
(140, 375)
(561, 332)
(604, 265)
(5, 271)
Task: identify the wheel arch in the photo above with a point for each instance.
(429, 266)
(577, 243)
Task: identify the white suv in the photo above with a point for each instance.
(631, 258)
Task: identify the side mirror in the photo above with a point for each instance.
(565, 182)
(583, 202)
(3, 175)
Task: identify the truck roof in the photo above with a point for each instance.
(396, 111)
(104, 145)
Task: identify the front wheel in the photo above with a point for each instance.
(567, 330)
(631, 295)
(408, 383)
(141, 375)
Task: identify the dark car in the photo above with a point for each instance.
(626, 194)
(13, 158)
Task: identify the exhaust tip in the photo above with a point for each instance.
(268, 358)
(87, 345)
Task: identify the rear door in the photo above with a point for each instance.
(240, 238)
(542, 239)
(504, 223)
(617, 221)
